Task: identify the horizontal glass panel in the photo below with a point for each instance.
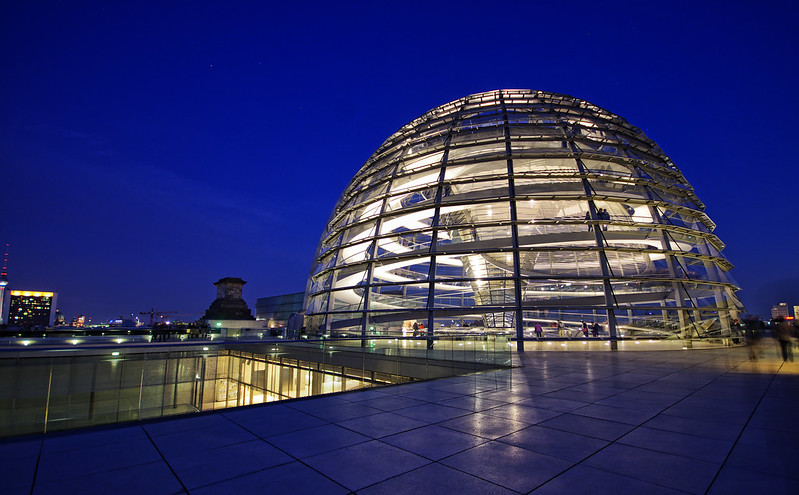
(407, 221)
(349, 276)
(420, 197)
(346, 300)
(475, 238)
(475, 170)
(470, 191)
(399, 296)
(579, 263)
(354, 253)
(491, 150)
(474, 265)
(411, 269)
(468, 215)
(540, 209)
(416, 242)
(417, 180)
(359, 232)
(544, 165)
(609, 168)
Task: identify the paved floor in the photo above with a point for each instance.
(700, 421)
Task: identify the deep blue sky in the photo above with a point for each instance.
(148, 150)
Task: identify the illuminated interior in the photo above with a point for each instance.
(509, 208)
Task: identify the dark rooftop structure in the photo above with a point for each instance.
(228, 304)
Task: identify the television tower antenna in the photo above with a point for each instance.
(3, 283)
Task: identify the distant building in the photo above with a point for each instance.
(780, 310)
(229, 310)
(30, 308)
(275, 310)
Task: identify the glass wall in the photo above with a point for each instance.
(509, 208)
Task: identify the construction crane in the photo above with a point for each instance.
(153, 313)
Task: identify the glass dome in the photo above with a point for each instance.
(509, 208)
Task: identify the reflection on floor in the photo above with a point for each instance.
(660, 422)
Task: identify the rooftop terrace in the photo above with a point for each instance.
(655, 422)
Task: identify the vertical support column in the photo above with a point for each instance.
(435, 224)
(367, 287)
(714, 272)
(610, 300)
(679, 291)
(517, 278)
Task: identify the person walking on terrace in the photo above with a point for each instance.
(783, 333)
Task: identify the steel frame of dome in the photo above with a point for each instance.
(520, 203)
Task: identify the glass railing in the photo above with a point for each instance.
(47, 388)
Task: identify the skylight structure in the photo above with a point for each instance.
(509, 208)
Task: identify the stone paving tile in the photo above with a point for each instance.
(622, 401)
(390, 403)
(365, 464)
(369, 394)
(563, 445)
(781, 417)
(312, 441)
(737, 480)
(429, 395)
(771, 452)
(21, 446)
(435, 478)
(195, 442)
(65, 441)
(63, 466)
(524, 414)
(596, 388)
(311, 404)
(169, 426)
(696, 427)
(19, 458)
(431, 413)
(433, 442)
(562, 405)
(628, 415)
(294, 478)
(471, 403)
(685, 410)
(468, 388)
(485, 425)
(226, 462)
(662, 399)
(258, 413)
(342, 412)
(681, 473)
(17, 471)
(584, 480)
(587, 426)
(153, 478)
(518, 469)
(695, 447)
(503, 396)
(381, 425)
(268, 421)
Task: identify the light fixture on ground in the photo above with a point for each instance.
(509, 208)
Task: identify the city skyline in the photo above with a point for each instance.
(149, 151)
